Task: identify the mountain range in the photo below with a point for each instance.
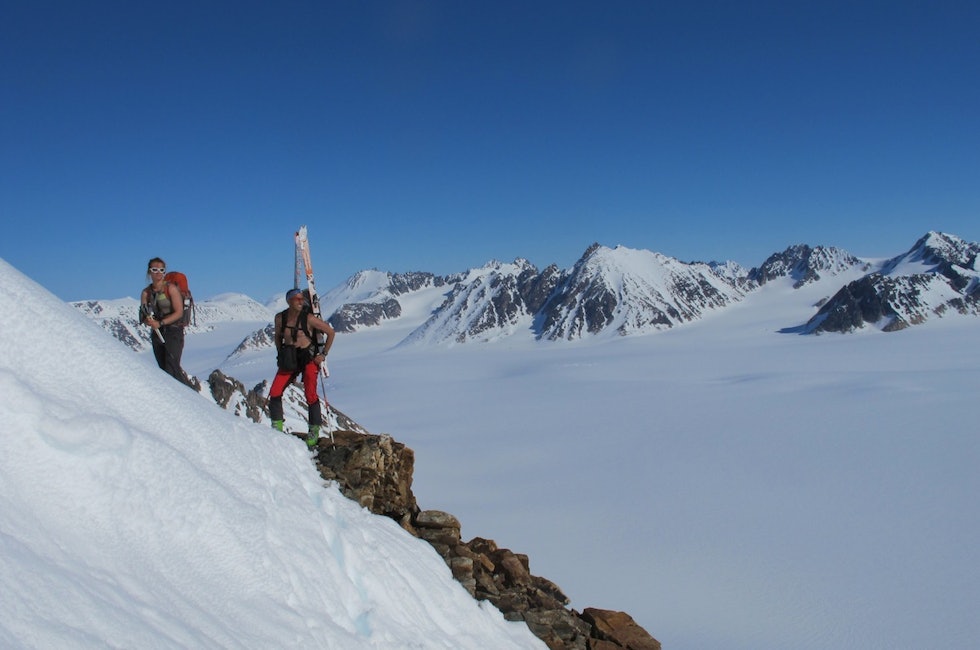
(611, 292)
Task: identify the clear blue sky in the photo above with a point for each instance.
(436, 136)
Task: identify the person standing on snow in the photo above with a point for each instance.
(162, 309)
(298, 354)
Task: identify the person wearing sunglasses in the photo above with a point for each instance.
(162, 309)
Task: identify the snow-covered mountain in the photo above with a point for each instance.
(484, 304)
(937, 275)
(626, 291)
(610, 292)
(805, 264)
(621, 292)
(370, 297)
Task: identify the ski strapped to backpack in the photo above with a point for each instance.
(303, 257)
(313, 300)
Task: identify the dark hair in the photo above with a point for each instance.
(155, 260)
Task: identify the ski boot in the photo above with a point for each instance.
(277, 425)
(313, 436)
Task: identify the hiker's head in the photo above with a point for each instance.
(156, 268)
(294, 297)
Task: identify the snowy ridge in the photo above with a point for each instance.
(629, 291)
(369, 298)
(887, 303)
(931, 253)
(935, 277)
(485, 304)
(131, 526)
(805, 265)
(614, 292)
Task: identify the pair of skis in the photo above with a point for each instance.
(304, 265)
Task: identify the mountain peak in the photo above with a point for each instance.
(804, 264)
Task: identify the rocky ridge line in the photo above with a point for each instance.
(376, 471)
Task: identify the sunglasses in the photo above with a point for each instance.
(154, 269)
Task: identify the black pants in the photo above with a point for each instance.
(169, 352)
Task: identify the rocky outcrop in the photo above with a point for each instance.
(231, 394)
(364, 314)
(895, 303)
(376, 471)
(804, 264)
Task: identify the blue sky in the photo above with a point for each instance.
(436, 136)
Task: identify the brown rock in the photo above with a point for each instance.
(619, 628)
(376, 472)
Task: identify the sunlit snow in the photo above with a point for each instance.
(134, 513)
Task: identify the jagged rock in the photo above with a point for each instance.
(257, 340)
(376, 471)
(402, 283)
(440, 529)
(373, 470)
(804, 265)
(535, 288)
(229, 393)
(618, 630)
(893, 303)
(560, 629)
(364, 314)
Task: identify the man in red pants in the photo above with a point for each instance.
(298, 354)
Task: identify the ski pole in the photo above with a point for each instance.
(145, 313)
(321, 381)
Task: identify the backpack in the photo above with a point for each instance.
(180, 280)
(289, 357)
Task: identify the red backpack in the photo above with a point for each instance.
(180, 280)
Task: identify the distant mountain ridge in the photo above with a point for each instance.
(937, 275)
(617, 292)
(621, 291)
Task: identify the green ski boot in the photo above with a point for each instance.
(313, 436)
(277, 425)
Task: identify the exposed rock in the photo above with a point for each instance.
(402, 283)
(894, 303)
(804, 264)
(364, 314)
(373, 470)
(535, 288)
(481, 305)
(258, 340)
(619, 630)
(628, 292)
(230, 394)
(376, 471)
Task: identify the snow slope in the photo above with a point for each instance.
(136, 514)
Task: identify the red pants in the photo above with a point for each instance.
(283, 378)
